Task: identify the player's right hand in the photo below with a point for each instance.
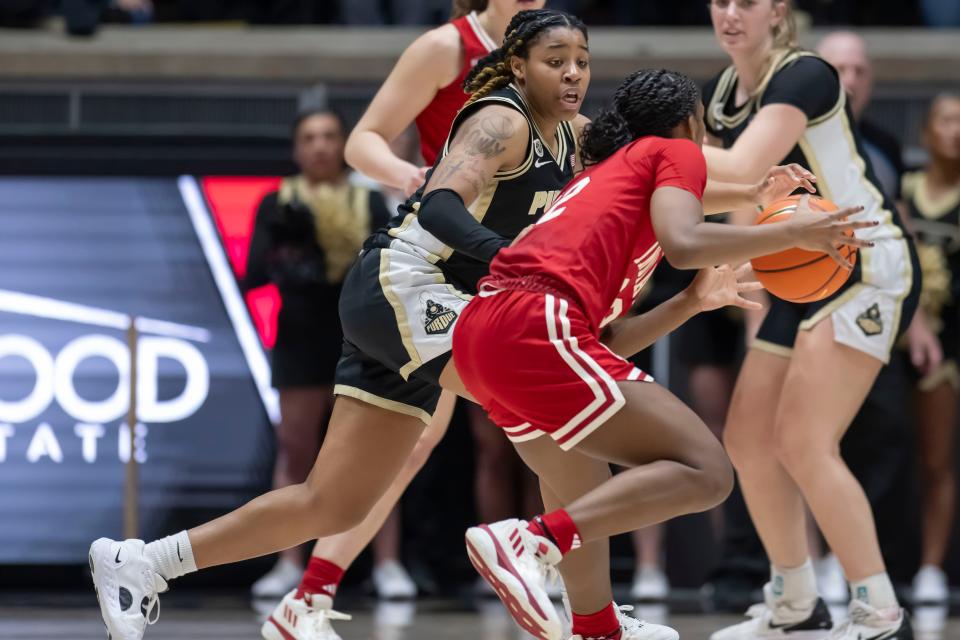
(826, 232)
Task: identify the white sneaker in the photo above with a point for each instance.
(635, 629)
(650, 583)
(930, 585)
(392, 619)
(127, 587)
(929, 622)
(306, 618)
(867, 623)
(777, 619)
(518, 564)
(392, 581)
(284, 576)
(831, 582)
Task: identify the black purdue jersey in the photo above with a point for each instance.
(829, 147)
(510, 202)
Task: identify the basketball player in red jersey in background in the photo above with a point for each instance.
(424, 88)
(539, 347)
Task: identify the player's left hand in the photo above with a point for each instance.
(716, 287)
(782, 181)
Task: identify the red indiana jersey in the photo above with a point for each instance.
(596, 244)
(433, 123)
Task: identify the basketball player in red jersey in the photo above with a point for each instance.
(539, 348)
(399, 308)
(424, 88)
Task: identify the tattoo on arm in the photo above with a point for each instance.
(446, 171)
(486, 135)
(481, 140)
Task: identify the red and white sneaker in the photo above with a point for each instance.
(306, 618)
(518, 565)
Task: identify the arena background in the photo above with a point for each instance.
(131, 162)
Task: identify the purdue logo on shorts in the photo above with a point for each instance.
(437, 318)
(870, 321)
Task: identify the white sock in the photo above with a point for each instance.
(172, 556)
(796, 585)
(876, 590)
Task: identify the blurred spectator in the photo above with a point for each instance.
(932, 198)
(305, 238)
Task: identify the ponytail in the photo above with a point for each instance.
(785, 33)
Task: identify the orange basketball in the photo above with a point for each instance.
(798, 275)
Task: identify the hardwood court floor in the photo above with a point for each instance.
(231, 618)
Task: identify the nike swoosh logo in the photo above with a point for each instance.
(180, 557)
(117, 559)
(785, 625)
(540, 163)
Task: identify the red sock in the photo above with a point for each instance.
(322, 577)
(557, 527)
(602, 625)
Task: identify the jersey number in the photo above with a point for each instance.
(560, 205)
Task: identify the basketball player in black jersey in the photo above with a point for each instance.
(810, 366)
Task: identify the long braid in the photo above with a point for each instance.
(648, 103)
(493, 71)
(495, 75)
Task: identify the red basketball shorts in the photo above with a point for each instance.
(536, 366)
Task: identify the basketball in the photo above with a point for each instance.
(798, 275)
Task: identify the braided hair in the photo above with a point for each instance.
(461, 8)
(648, 103)
(493, 71)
